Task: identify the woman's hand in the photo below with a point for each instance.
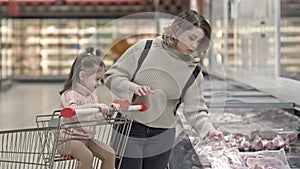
(143, 91)
(216, 134)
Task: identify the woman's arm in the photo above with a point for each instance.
(118, 77)
(195, 109)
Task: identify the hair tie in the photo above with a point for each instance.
(98, 52)
(89, 50)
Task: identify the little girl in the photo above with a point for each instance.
(85, 76)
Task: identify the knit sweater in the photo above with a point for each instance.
(166, 71)
(79, 126)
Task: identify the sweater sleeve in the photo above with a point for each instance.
(195, 109)
(118, 77)
(72, 99)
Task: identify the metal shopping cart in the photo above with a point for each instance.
(36, 148)
(26, 148)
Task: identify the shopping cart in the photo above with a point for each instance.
(36, 148)
(111, 131)
(27, 148)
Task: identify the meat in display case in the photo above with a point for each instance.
(257, 134)
(252, 137)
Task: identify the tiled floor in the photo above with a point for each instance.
(20, 104)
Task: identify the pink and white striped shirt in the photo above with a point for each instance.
(79, 126)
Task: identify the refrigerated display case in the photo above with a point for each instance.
(5, 53)
(27, 47)
(44, 48)
(271, 122)
(289, 62)
(265, 43)
(59, 45)
(274, 128)
(290, 40)
(223, 33)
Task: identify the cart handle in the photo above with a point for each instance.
(69, 112)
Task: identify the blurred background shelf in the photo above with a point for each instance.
(45, 47)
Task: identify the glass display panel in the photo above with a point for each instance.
(290, 40)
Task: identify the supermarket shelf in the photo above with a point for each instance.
(44, 47)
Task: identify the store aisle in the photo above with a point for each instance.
(20, 104)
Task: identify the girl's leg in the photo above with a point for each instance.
(103, 152)
(79, 150)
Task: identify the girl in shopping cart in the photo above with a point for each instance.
(85, 76)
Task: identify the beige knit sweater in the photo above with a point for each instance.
(166, 71)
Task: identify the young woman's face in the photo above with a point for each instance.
(93, 81)
(189, 40)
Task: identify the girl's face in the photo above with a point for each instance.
(92, 81)
(189, 40)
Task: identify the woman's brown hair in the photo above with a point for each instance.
(184, 21)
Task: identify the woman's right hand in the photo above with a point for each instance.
(143, 91)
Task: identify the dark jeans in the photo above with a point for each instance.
(147, 147)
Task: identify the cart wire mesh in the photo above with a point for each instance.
(26, 148)
(36, 148)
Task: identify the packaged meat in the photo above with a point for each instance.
(276, 144)
(258, 141)
(290, 136)
(233, 156)
(286, 134)
(266, 162)
(257, 145)
(270, 159)
(244, 146)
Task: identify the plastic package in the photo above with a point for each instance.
(269, 159)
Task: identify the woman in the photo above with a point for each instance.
(159, 82)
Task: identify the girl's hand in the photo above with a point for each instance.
(113, 106)
(216, 134)
(104, 109)
(143, 91)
